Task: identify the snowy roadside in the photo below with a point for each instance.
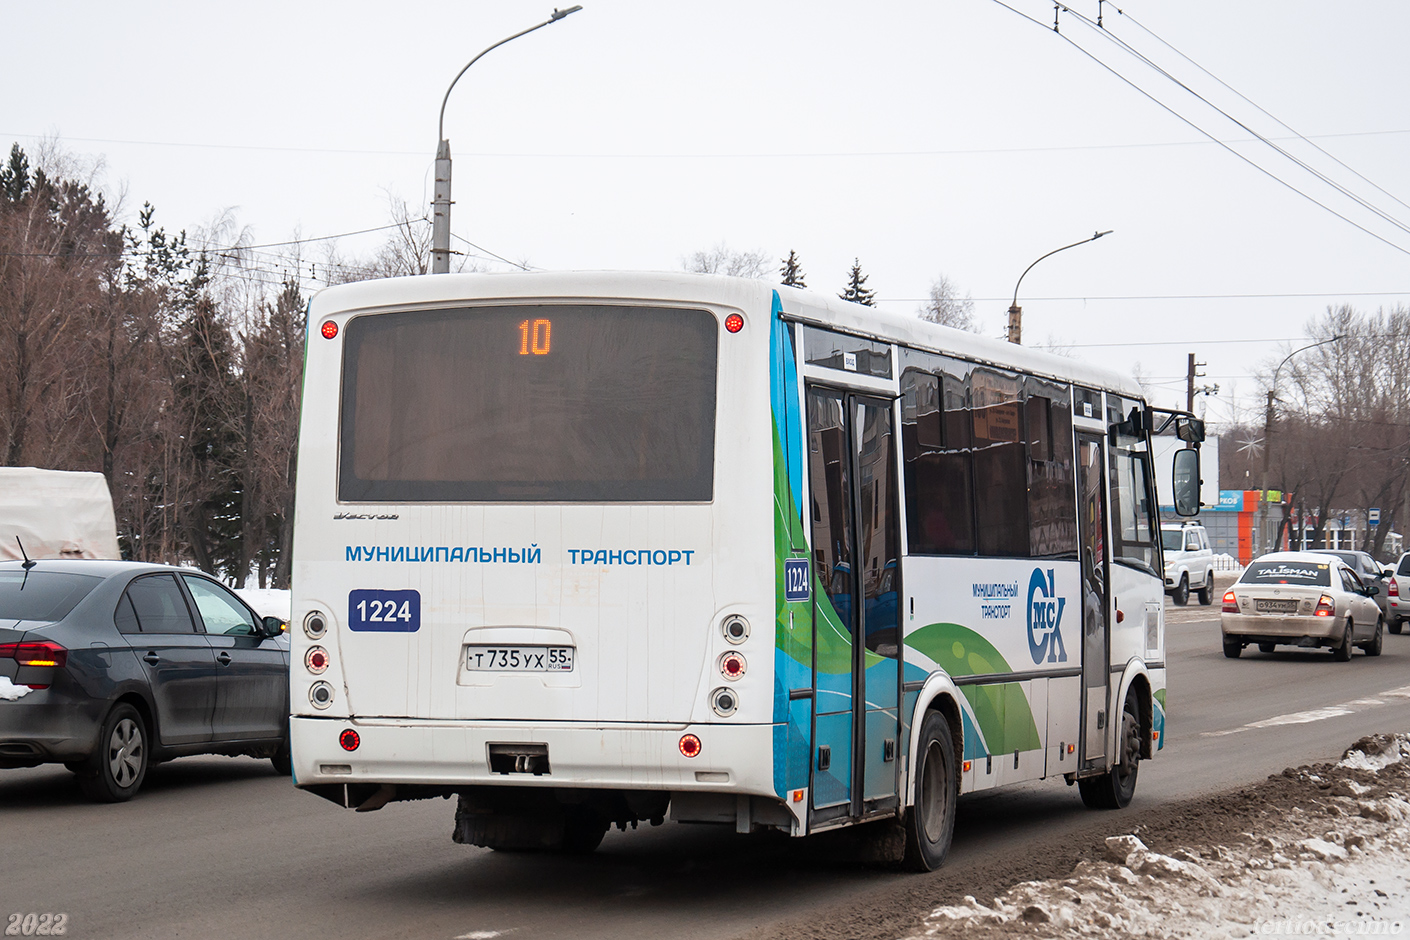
(1329, 858)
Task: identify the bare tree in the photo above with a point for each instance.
(722, 260)
(946, 306)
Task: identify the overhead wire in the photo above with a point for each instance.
(1110, 36)
(1300, 136)
(1270, 174)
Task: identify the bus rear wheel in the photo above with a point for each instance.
(930, 823)
(1115, 788)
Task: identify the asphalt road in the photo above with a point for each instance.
(221, 847)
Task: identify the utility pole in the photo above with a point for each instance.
(1015, 330)
(441, 202)
(1190, 386)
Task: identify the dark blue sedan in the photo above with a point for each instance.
(109, 667)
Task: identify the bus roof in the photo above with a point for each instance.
(747, 293)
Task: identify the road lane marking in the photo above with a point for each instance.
(1316, 714)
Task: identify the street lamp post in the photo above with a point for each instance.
(1268, 419)
(440, 205)
(1015, 331)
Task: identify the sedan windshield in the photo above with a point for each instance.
(42, 595)
(1288, 572)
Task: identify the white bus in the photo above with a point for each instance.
(594, 549)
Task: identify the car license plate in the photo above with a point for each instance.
(1266, 606)
(519, 658)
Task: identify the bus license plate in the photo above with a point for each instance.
(1266, 606)
(519, 659)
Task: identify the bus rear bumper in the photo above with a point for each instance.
(454, 754)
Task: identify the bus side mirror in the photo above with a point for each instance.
(1189, 430)
(1186, 482)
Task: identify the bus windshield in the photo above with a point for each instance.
(529, 403)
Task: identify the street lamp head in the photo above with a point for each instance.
(559, 14)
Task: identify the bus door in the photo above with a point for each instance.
(1096, 674)
(856, 626)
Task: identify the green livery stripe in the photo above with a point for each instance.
(834, 640)
(1001, 709)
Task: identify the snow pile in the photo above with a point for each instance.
(1334, 865)
(1376, 752)
(9, 692)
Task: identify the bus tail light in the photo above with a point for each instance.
(316, 660)
(1326, 607)
(733, 665)
(45, 653)
(690, 745)
(724, 701)
(1231, 603)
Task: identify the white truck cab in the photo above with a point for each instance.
(1189, 562)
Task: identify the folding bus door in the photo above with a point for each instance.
(856, 548)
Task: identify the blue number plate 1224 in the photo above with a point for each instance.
(384, 611)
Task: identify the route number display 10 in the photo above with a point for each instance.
(535, 337)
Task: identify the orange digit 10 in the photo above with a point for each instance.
(535, 337)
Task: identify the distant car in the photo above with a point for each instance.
(1370, 572)
(1398, 594)
(1307, 599)
(110, 667)
(1189, 562)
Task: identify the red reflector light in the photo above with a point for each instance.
(690, 745)
(349, 740)
(1231, 603)
(35, 654)
(734, 323)
(329, 329)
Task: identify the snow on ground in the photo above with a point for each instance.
(268, 602)
(1336, 867)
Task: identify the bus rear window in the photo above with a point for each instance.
(1287, 572)
(541, 403)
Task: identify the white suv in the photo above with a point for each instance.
(1189, 562)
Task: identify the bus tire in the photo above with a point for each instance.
(930, 823)
(1115, 788)
(582, 832)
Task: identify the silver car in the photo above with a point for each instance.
(1307, 599)
(1370, 573)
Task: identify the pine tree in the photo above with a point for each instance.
(857, 291)
(792, 272)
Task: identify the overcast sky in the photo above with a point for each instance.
(947, 137)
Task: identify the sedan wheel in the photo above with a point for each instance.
(1373, 648)
(113, 773)
(1342, 652)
